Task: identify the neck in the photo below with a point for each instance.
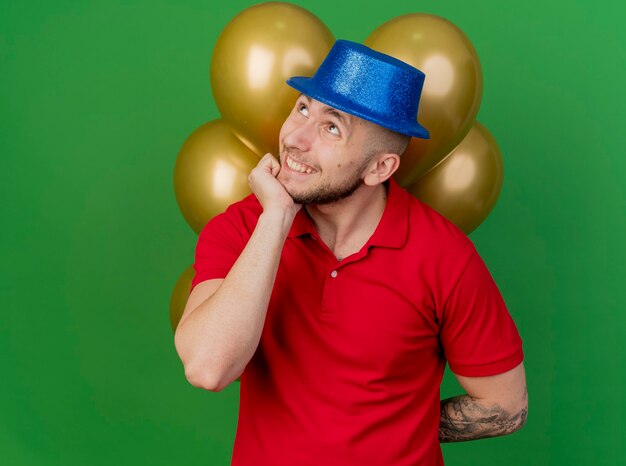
(346, 225)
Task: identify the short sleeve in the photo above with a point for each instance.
(219, 245)
(477, 333)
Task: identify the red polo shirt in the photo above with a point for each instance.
(352, 353)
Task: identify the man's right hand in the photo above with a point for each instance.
(269, 191)
(223, 320)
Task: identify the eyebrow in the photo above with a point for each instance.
(330, 111)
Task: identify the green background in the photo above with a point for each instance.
(96, 98)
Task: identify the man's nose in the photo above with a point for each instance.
(301, 136)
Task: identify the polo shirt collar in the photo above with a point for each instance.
(391, 231)
(302, 224)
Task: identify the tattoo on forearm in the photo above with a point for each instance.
(466, 418)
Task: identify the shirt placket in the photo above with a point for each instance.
(334, 282)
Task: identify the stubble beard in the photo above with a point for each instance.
(328, 193)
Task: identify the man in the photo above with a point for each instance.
(340, 316)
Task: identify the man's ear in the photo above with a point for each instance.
(381, 169)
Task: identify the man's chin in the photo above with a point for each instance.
(298, 197)
(321, 197)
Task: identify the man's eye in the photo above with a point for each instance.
(303, 109)
(333, 129)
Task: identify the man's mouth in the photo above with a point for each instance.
(298, 167)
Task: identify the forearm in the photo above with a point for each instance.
(220, 336)
(466, 418)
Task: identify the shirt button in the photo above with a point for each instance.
(333, 273)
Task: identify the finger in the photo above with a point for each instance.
(265, 164)
(270, 164)
(275, 166)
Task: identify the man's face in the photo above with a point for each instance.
(322, 153)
